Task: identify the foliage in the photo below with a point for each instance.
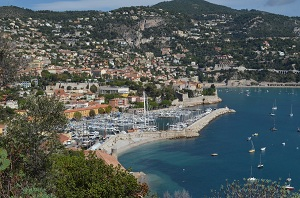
(258, 188)
(177, 194)
(75, 175)
(108, 109)
(9, 64)
(4, 162)
(93, 88)
(101, 110)
(209, 91)
(31, 138)
(6, 114)
(77, 115)
(92, 113)
(35, 192)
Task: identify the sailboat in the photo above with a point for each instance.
(260, 165)
(251, 178)
(274, 106)
(252, 150)
(272, 113)
(291, 114)
(288, 186)
(273, 128)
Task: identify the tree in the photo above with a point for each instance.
(77, 115)
(74, 174)
(108, 109)
(101, 111)
(9, 64)
(92, 113)
(93, 88)
(31, 138)
(258, 188)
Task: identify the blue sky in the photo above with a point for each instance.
(284, 7)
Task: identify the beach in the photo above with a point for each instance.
(120, 143)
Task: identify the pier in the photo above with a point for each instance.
(121, 142)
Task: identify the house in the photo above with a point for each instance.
(2, 129)
(118, 102)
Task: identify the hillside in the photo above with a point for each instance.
(175, 33)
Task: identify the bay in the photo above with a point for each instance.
(186, 163)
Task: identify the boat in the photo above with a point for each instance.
(298, 129)
(272, 114)
(283, 143)
(249, 138)
(251, 178)
(273, 128)
(288, 186)
(260, 165)
(263, 148)
(214, 154)
(255, 134)
(291, 114)
(252, 150)
(274, 106)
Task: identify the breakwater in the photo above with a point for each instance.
(121, 142)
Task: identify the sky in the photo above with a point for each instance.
(283, 7)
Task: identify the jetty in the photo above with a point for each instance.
(119, 143)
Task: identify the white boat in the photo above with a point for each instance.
(263, 148)
(291, 114)
(255, 134)
(249, 138)
(214, 154)
(260, 165)
(274, 106)
(283, 143)
(251, 178)
(252, 150)
(288, 186)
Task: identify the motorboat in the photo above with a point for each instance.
(214, 154)
(263, 148)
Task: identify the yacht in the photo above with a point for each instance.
(252, 150)
(263, 148)
(260, 165)
(288, 186)
(251, 178)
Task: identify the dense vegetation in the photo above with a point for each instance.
(35, 164)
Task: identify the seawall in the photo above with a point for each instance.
(122, 142)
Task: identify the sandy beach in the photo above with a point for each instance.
(120, 143)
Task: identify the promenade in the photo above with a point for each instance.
(119, 143)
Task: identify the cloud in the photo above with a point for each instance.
(279, 2)
(103, 5)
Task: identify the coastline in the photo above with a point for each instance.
(120, 143)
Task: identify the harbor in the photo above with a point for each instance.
(121, 142)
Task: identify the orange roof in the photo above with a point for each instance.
(63, 137)
(108, 159)
(87, 108)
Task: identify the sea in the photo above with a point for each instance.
(174, 165)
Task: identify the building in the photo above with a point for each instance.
(85, 112)
(113, 90)
(119, 102)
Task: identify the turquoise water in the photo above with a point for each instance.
(186, 163)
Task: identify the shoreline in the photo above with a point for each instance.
(120, 143)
